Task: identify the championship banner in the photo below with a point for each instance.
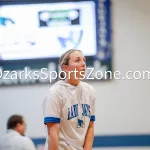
(34, 35)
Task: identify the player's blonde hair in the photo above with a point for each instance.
(64, 60)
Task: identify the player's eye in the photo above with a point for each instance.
(77, 60)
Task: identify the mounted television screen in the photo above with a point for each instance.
(46, 30)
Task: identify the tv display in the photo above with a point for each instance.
(46, 30)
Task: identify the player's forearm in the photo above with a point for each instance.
(89, 137)
(53, 141)
(53, 133)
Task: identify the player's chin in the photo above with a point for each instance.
(81, 75)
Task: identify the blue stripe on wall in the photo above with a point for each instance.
(114, 141)
(122, 141)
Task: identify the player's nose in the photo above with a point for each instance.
(83, 63)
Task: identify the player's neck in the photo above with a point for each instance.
(74, 82)
(18, 131)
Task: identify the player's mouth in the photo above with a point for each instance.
(83, 70)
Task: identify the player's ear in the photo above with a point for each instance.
(18, 126)
(65, 68)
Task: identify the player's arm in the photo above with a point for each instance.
(53, 133)
(89, 138)
(52, 109)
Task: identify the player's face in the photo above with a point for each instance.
(22, 127)
(77, 62)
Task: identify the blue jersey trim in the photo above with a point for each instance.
(92, 118)
(51, 119)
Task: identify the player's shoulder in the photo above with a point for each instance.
(87, 86)
(27, 139)
(90, 91)
(56, 88)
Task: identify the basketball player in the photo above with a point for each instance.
(69, 108)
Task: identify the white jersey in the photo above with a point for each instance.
(14, 141)
(73, 107)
